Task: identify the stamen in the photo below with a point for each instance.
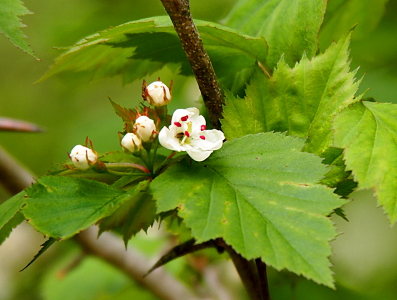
(202, 137)
(177, 124)
(187, 134)
(184, 119)
(203, 127)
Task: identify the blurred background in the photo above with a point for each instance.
(70, 108)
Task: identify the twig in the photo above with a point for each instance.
(179, 12)
(112, 250)
(261, 266)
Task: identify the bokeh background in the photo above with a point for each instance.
(69, 108)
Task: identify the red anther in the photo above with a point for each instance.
(203, 127)
(187, 133)
(177, 124)
(184, 118)
(202, 137)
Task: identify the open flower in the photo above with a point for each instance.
(131, 143)
(83, 157)
(158, 94)
(187, 132)
(145, 129)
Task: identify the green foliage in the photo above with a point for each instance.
(60, 207)
(136, 213)
(290, 27)
(368, 132)
(261, 195)
(142, 47)
(10, 216)
(342, 15)
(10, 23)
(301, 100)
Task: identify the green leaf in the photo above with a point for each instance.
(60, 207)
(143, 47)
(9, 216)
(128, 115)
(368, 132)
(135, 214)
(47, 244)
(342, 15)
(261, 195)
(301, 101)
(10, 23)
(290, 27)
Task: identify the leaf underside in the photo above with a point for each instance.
(368, 132)
(261, 195)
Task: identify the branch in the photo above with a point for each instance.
(112, 250)
(179, 12)
(13, 177)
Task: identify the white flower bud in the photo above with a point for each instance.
(145, 128)
(131, 142)
(83, 157)
(158, 94)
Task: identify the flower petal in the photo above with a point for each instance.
(197, 154)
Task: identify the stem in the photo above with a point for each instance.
(261, 266)
(247, 270)
(179, 12)
(129, 165)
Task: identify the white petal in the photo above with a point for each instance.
(213, 140)
(197, 154)
(168, 140)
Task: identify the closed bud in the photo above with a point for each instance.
(83, 158)
(131, 143)
(158, 94)
(145, 129)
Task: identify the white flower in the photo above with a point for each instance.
(145, 128)
(187, 132)
(158, 94)
(83, 157)
(131, 142)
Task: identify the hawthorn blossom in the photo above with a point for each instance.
(131, 142)
(187, 132)
(158, 94)
(145, 129)
(83, 157)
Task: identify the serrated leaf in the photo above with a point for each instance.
(44, 247)
(6, 230)
(135, 214)
(301, 100)
(10, 23)
(342, 15)
(261, 195)
(128, 115)
(60, 207)
(368, 132)
(8, 210)
(290, 27)
(142, 47)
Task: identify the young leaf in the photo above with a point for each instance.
(10, 23)
(368, 132)
(261, 195)
(290, 27)
(143, 47)
(60, 207)
(135, 214)
(301, 101)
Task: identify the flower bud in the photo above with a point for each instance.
(83, 157)
(131, 143)
(145, 129)
(158, 94)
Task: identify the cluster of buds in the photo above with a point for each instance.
(144, 131)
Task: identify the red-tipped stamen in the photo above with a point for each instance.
(184, 119)
(177, 124)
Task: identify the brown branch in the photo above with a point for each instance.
(179, 12)
(133, 264)
(13, 176)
